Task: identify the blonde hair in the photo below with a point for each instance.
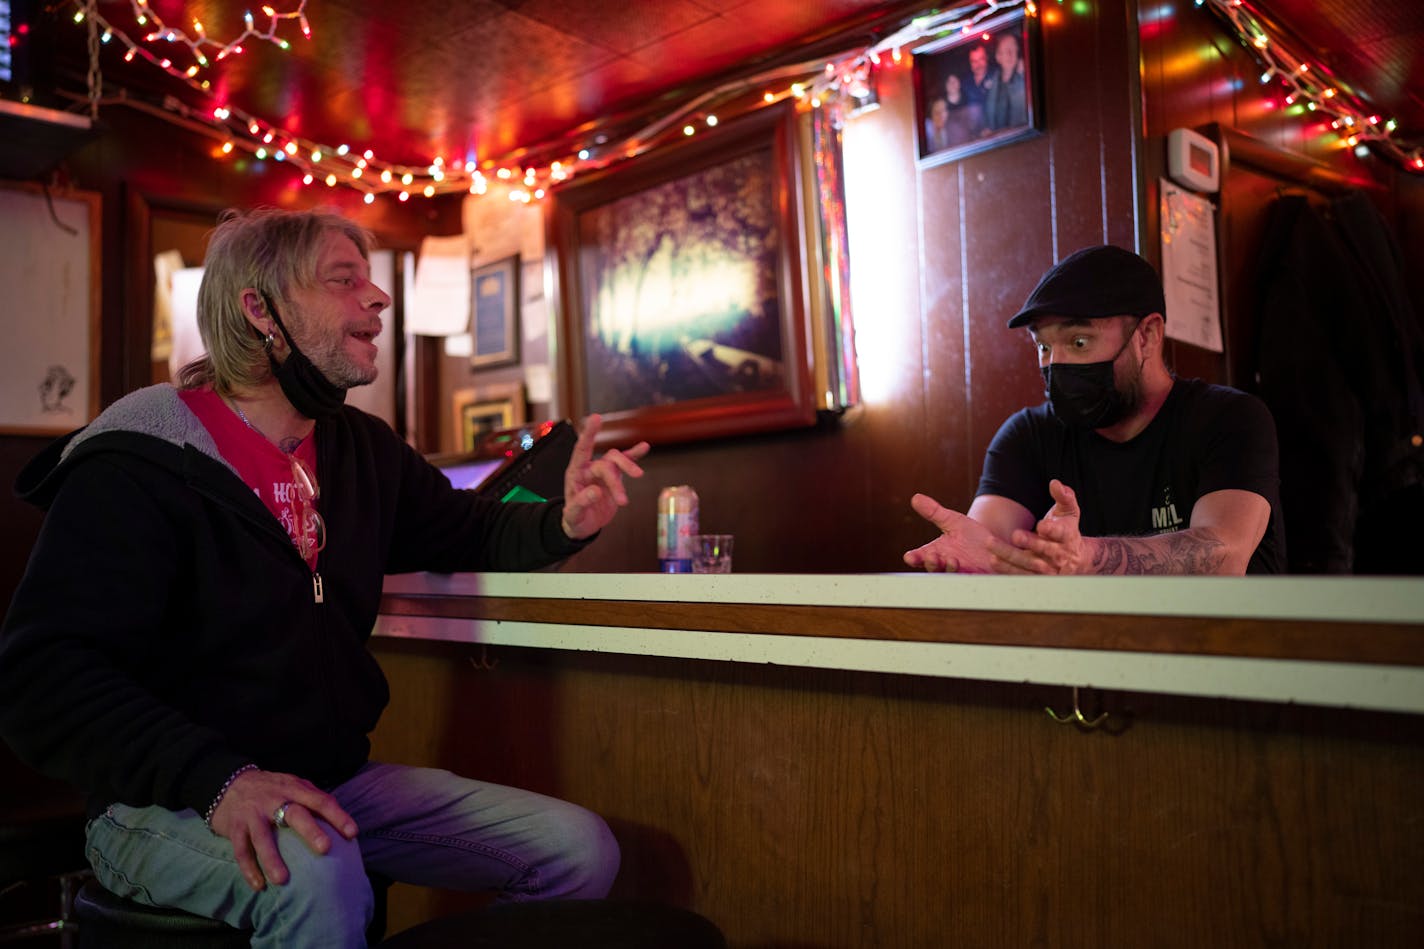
(266, 249)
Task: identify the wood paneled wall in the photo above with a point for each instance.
(966, 242)
(814, 808)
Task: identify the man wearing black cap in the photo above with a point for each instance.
(1125, 469)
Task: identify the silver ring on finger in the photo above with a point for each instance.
(279, 816)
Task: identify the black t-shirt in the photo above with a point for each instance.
(1205, 438)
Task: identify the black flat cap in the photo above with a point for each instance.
(1092, 283)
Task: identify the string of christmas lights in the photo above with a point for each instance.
(845, 81)
(146, 17)
(1309, 86)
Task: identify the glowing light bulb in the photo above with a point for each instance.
(370, 197)
(688, 130)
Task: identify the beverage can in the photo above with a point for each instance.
(677, 525)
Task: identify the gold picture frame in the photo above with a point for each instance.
(667, 372)
(479, 410)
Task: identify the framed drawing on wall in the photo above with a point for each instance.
(494, 314)
(680, 288)
(49, 365)
(484, 409)
(978, 90)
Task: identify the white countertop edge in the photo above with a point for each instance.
(1347, 685)
(1346, 599)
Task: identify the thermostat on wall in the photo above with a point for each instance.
(1193, 160)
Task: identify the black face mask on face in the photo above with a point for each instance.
(302, 382)
(1085, 395)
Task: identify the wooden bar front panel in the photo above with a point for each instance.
(817, 808)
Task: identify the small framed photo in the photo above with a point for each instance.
(978, 90)
(484, 409)
(494, 314)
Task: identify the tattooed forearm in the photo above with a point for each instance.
(1180, 552)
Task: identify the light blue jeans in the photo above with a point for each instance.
(418, 825)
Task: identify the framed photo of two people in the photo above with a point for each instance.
(978, 89)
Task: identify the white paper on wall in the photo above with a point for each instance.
(440, 305)
(187, 344)
(1189, 273)
(165, 263)
(460, 345)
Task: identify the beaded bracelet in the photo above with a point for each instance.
(213, 807)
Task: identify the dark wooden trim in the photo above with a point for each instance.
(1237, 146)
(1325, 641)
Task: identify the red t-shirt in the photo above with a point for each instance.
(265, 468)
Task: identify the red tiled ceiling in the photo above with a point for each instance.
(617, 25)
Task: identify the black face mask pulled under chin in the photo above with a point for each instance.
(310, 392)
(1085, 395)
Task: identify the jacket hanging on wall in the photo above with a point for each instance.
(1341, 354)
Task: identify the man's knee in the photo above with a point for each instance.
(327, 894)
(588, 860)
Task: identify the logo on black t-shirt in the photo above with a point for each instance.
(1165, 518)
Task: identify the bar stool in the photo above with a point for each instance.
(43, 849)
(558, 924)
(41, 842)
(108, 921)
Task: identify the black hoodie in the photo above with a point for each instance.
(166, 630)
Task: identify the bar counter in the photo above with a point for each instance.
(1328, 641)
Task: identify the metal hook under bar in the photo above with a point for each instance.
(484, 662)
(1077, 716)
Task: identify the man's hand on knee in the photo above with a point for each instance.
(260, 803)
